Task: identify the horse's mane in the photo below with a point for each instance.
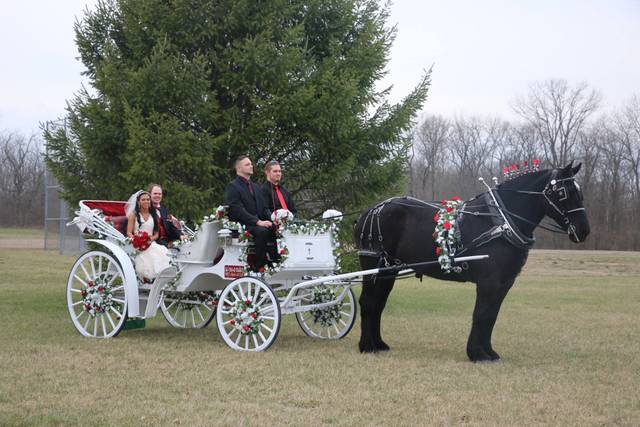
(523, 180)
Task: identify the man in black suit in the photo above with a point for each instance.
(247, 207)
(275, 195)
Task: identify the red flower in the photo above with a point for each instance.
(283, 251)
(456, 199)
(247, 234)
(525, 164)
(447, 225)
(261, 269)
(443, 202)
(449, 209)
(90, 283)
(536, 163)
(101, 289)
(438, 250)
(245, 328)
(232, 322)
(505, 170)
(254, 315)
(436, 218)
(512, 167)
(141, 240)
(83, 293)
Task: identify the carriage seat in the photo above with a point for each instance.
(118, 222)
(205, 245)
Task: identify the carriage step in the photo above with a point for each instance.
(134, 324)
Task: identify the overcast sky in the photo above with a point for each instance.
(484, 53)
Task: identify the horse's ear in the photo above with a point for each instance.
(576, 169)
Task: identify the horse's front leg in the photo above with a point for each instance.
(489, 297)
(367, 324)
(383, 287)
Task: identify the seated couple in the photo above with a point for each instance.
(145, 213)
(253, 206)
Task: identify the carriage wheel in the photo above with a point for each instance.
(96, 295)
(194, 310)
(333, 322)
(248, 315)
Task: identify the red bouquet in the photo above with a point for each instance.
(141, 240)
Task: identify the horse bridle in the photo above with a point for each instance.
(557, 187)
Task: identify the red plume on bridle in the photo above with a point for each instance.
(515, 170)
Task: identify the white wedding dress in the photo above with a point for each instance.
(150, 262)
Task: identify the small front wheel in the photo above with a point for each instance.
(332, 322)
(248, 315)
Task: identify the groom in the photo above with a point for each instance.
(247, 207)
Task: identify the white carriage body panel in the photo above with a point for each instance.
(130, 279)
(314, 252)
(204, 246)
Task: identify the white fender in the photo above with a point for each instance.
(130, 279)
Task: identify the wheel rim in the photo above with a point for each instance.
(248, 315)
(190, 310)
(96, 295)
(333, 322)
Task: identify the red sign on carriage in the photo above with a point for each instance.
(233, 271)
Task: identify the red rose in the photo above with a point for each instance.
(447, 225)
(90, 283)
(254, 315)
(456, 199)
(436, 217)
(449, 209)
(232, 322)
(505, 170)
(141, 240)
(245, 328)
(536, 163)
(261, 269)
(247, 234)
(443, 202)
(438, 251)
(283, 251)
(247, 302)
(83, 293)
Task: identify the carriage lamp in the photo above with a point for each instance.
(224, 237)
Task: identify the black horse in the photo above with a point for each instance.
(498, 223)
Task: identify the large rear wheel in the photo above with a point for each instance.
(96, 295)
(191, 310)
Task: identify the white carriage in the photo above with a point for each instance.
(208, 278)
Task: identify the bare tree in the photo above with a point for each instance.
(558, 112)
(429, 143)
(21, 180)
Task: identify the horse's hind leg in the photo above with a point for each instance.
(488, 301)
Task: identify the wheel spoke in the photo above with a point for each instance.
(193, 318)
(81, 281)
(99, 265)
(93, 267)
(113, 326)
(95, 326)
(261, 336)
(244, 298)
(239, 337)
(116, 312)
(86, 324)
(104, 326)
(86, 273)
(235, 296)
(77, 303)
(255, 340)
(199, 313)
(246, 342)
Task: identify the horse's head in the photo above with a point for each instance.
(564, 202)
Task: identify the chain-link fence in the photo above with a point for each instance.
(57, 213)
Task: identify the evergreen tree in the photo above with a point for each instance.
(179, 88)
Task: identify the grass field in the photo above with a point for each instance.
(10, 233)
(568, 334)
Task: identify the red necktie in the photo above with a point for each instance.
(283, 205)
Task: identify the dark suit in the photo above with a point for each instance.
(168, 232)
(247, 208)
(272, 201)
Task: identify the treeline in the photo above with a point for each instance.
(21, 181)
(558, 123)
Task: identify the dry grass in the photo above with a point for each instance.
(568, 333)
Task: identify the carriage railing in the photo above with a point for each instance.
(92, 221)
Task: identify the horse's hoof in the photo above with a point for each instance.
(382, 346)
(367, 348)
(478, 355)
(495, 357)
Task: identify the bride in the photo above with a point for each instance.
(142, 217)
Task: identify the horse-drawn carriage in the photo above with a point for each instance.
(209, 277)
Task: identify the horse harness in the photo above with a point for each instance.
(503, 225)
